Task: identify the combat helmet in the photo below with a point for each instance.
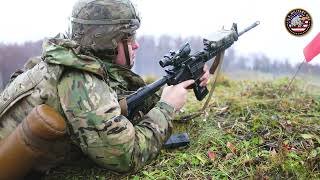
(97, 25)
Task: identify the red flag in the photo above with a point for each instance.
(312, 49)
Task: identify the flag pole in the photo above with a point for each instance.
(292, 79)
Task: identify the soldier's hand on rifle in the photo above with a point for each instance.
(176, 95)
(205, 77)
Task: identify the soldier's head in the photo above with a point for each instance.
(106, 29)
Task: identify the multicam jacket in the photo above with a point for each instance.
(86, 90)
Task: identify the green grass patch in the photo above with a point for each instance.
(251, 130)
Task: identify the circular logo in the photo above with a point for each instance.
(298, 22)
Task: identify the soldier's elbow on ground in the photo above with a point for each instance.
(122, 165)
(121, 147)
(114, 148)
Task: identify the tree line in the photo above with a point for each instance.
(152, 49)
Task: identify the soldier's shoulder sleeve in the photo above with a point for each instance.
(88, 103)
(108, 138)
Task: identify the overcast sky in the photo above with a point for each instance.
(35, 19)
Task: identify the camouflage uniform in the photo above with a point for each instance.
(85, 89)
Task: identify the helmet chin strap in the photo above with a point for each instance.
(126, 52)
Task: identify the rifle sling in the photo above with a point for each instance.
(215, 70)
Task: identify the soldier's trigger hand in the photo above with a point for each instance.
(176, 95)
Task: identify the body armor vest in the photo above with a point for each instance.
(33, 87)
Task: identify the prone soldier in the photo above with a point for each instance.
(83, 77)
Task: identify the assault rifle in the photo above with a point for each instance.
(181, 66)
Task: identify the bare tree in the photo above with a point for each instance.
(1, 82)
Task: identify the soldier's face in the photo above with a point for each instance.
(132, 47)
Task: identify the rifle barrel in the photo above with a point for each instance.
(248, 28)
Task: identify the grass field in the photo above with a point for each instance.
(251, 130)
